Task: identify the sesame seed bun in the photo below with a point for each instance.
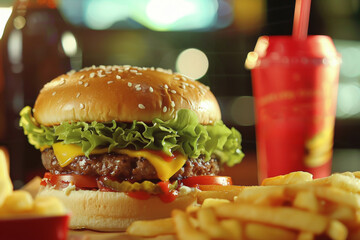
(123, 94)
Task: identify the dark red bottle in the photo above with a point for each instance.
(32, 54)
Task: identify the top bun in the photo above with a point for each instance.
(123, 94)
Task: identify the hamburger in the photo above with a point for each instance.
(124, 143)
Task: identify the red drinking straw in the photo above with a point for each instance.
(301, 19)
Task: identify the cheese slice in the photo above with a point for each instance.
(66, 153)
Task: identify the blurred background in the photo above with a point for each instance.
(204, 39)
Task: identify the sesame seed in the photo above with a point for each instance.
(62, 81)
(133, 71)
(82, 76)
(172, 104)
(173, 91)
(138, 73)
(137, 85)
(192, 86)
(166, 86)
(80, 82)
(176, 78)
(182, 86)
(118, 77)
(127, 66)
(78, 95)
(151, 89)
(109, 82)
(164, 109)
(92, 74)
(86, 84)
(99, 73)
(82, 106)
(129, 84)
(102, 66)
(152, 69)
(108, 72)
(120, 70)
(186, 84)
(138, 89)
(53, 93)
(141, 106)
(183, 78)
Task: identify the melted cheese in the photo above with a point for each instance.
(65, 153)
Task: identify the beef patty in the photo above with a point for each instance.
(125, 167)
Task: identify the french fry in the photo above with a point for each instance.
(184, 229)
(228, 195)
(209, 224)
(337, 230)
(291, 178)
(151, 228)
(257, 231)
(281, 216)
(33, 186)
(338, 196)
(213, 202)
(47, 205)
(288, 207)
(306, 200)
(18, 202)
(306, 236)
(343, 213)
(233, 228)
(6, 186)
(261, 195)
(341, 181)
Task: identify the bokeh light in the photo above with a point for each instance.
(175, 15)
(165, 12)
(69, 44)
(193, 63)
(350, 61)
(348, 100)
(102, 14)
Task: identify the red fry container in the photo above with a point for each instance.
(37, 228)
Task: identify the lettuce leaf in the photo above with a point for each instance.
(184, 133)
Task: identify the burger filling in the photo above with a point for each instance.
(124, 167)
(138, 158)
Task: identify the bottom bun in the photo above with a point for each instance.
(113, 211)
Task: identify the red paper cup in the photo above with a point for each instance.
(37, 228)
(295, 88)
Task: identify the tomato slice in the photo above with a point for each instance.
(63, 180)
(207, 180)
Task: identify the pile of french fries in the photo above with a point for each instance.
(292, 206)
(20, 203)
